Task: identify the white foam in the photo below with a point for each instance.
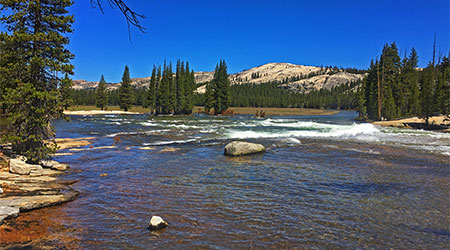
(148, 124)
(160, 143)
(310, 129)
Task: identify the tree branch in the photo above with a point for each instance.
(132, 17)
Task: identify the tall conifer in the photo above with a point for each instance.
(34, 47)
(101, 94)
(126, 98)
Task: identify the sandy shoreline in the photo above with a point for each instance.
(408, 122)
(99, 112)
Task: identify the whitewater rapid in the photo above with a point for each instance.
(292, 129)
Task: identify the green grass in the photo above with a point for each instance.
(92, 107)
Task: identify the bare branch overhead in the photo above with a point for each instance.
(131, 16)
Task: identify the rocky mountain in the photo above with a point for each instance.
(298, 78)
(327, 81)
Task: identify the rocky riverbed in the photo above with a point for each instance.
(24, 187)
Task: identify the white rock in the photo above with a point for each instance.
(1, 190)
(48, 163)
(17, 166)
(157, 222)
(53, 165)
(237, 148)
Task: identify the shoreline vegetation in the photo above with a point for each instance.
(92, 110)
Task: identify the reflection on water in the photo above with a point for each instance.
(324, 182)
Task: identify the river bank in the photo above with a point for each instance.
(99, 112)
(26, 187)
(438, 123)
(93, 110)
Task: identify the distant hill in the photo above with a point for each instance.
(294, 77)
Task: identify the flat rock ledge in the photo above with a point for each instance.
(27, 186)
(237, 148)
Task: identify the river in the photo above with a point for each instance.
(324, 182)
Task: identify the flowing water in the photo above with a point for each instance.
(324, 182)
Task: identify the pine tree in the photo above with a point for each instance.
(428, 87)
(164, 93)
(172, 90)
(160, 97)
(426, 92)
(66, 92)
(371, 90)
(35, 53)
(180, 85)
(126, 98)
(361, 108)
(151, 92)
(221, 88)
(189, 83)
(209, 97)
(412, 83)
(443, 88)
(101, 94)
(391, 65)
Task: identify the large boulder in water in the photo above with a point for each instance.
(237, 148)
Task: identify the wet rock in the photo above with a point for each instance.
(64, 143)
(26, 203)
(7, 212)
(147, 148)
(53, 165)
(237, 148)
(169, 149)
(156, 223)
(26, 186)
(17, 166)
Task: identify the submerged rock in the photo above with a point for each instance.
(237, 148)
(156, 223)
(17, 166)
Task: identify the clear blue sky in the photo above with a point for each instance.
(250, 33)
